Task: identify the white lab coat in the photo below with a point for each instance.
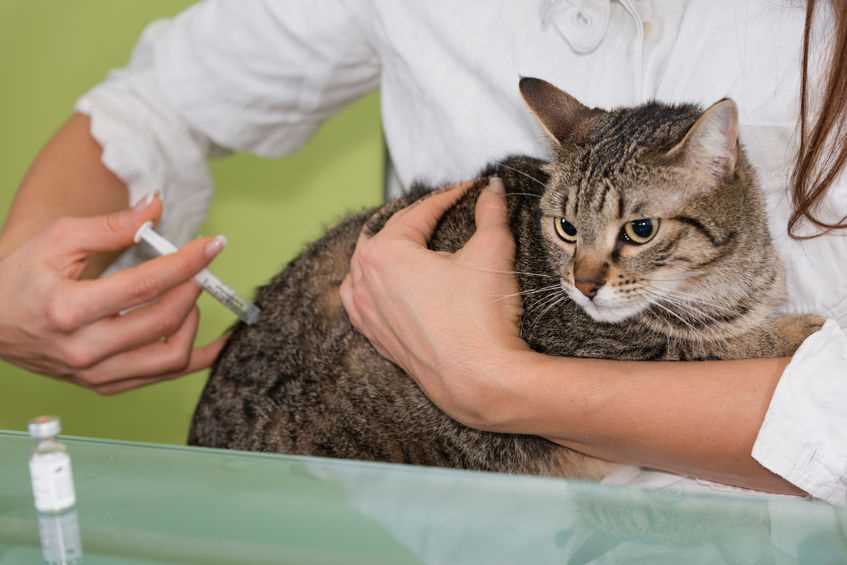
(261, 75)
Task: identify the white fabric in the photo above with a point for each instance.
(260, 76)
(813, 386)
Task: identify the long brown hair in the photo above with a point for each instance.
(823, 147)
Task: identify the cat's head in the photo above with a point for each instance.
(650, 209)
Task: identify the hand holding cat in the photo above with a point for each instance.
(451, 343)
(61, 326)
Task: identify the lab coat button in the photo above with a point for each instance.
(582, 23)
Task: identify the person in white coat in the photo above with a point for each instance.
(261, 76)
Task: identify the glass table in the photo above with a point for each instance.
(141, 503)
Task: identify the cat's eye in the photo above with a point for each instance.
(565, 229)
(639, 232)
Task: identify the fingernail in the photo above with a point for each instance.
(495, 184)
(143, 203)
(215, 246)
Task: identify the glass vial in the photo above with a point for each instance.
(60, 539)
(50, 467)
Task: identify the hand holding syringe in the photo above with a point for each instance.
(247, 311)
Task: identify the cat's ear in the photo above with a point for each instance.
(711, 144)
(561, 115)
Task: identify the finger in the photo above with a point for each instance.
(110, 336)
(492, 245)
(123, 386)
(491, 210)
(346, 293)
(417, 222)
(355, 272)
(381, 350)
(361, 242)
(158, 359)
(84, 302)
(201, 358)
(110, 232)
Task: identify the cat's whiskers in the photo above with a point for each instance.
(528, 292)
(544, 300)
(523, 194)
(709, 334)
(541, 301)
(688, 309)
(527, 175)
(550, 307)
(688, 301)
(498, 272)
(723, 307)
(655, 296)
(699, 309)
(659, 304)
(678, 301)
(683, 277)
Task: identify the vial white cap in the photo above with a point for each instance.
(44, 427)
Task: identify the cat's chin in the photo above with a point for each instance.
(611, 315)
(603, 312)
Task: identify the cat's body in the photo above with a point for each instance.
(303, 381)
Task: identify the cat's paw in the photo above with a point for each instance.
(793, 330)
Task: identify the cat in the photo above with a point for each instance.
(648, 231)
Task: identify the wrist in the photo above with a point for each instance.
(512, 402)
(560, 398)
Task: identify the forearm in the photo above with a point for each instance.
(67, 178)
(702, 420)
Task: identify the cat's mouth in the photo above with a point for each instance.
(604, 307)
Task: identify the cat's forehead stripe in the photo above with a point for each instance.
(603, 193)
(576, 200)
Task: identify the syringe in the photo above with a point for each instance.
(247, 311)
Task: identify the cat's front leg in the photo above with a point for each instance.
(793, 330)
(778, 337)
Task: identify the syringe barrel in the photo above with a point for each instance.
(247, 311)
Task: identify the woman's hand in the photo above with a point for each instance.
(450, 321)
(447, 319)
(58, 325)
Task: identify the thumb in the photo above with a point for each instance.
(491, 211)
(492, 245)
(109, 232)
(417, 222)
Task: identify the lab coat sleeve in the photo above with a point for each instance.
(803, 437)
(225, 75)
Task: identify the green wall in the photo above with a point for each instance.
(52, 52)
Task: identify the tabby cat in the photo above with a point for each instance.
(650, 227)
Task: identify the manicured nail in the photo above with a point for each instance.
(495, 184)
(143, 203)
(215, 246)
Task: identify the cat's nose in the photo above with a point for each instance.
(589, 274)
(588, 287)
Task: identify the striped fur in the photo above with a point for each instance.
(303, 381)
